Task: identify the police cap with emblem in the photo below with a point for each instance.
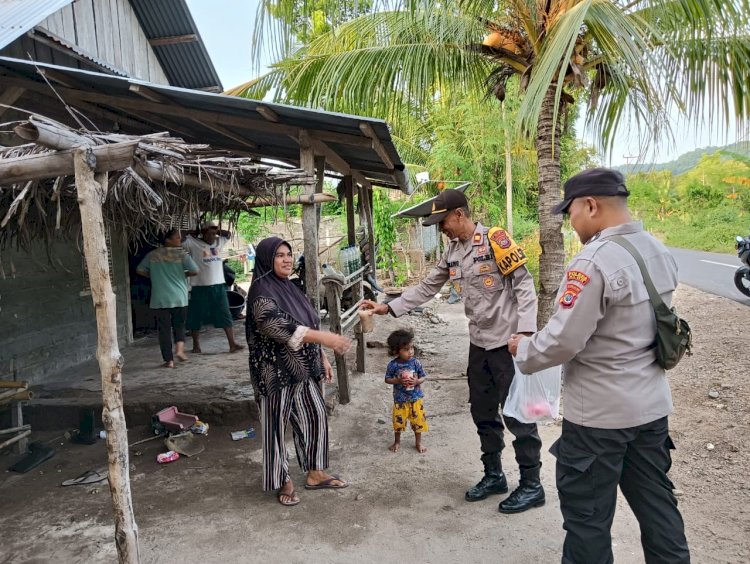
(593, 182)
(445, 202)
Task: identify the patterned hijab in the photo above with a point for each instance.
(267, 284)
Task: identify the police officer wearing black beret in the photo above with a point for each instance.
(617, 398)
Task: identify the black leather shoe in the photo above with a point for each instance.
(528, 494)
(487, 486)
(492, 483)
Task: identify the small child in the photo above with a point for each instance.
(406, 375)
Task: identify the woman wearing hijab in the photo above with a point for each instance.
(286, 366)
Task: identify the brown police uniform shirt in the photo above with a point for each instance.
(496, 305)
(603, 330)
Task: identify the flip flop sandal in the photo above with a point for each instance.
(290, 495)
(88, 477)
(327, 484)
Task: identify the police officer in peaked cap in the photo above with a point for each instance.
(487, 269)
(617, 398)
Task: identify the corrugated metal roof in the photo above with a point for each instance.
(223, 121)
(19, 16)
(186, 64)
(43, 35)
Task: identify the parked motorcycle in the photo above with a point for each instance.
(742, 274)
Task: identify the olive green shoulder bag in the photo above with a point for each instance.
(673, 335)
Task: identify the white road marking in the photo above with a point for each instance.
(720, 263)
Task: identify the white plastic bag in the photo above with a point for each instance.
(534, 397)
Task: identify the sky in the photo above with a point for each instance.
(226, 27)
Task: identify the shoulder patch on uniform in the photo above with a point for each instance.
(508, 255)
(568, 299)
(578, 276)
(501, 237)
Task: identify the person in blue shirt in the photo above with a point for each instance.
(406, 375)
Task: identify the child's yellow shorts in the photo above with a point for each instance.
(411, 411)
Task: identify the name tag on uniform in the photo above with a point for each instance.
(482, 258)
(452, 263)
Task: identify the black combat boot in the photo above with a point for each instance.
(493, 482)
(528, 494)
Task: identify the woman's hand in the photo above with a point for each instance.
(338, 343)
(327, 369)
(379, 309)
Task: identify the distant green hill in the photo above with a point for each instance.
(686, 161)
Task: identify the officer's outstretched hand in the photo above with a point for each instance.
(380, 309)
(515, 338)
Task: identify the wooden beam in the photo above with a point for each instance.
(91, 191)
(173, 40)
(58, 77)
(333, 298)
(309, 223)
(268, 113)
(365, 195)
(149, 94)
(367, 129)
(220, 129)
(349, 192)
(341, 138)
(320, 168)
(167, 124)
(9, 96)
(115, 156)
(91, 109)
(304, 199)
(361, 180)
(50, 135)
(156, 171)
(332, 157)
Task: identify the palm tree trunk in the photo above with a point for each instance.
(551, 261)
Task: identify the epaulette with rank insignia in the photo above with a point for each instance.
(508, 255)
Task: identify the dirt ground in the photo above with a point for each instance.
(403, 506)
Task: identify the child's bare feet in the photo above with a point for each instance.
(395, 446)
(421, 449)
(181, 356)
(168, 364)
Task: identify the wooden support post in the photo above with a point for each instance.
(358, 291)
(91, 194)
(320, 170)
(365, 195)
(349, 191)
(310, 223)
(333, 297)
(16, 420)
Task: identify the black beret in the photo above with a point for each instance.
(592, 182)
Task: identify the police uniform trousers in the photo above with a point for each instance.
(490, 374)
(591, 463)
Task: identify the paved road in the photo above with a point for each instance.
(711, 272)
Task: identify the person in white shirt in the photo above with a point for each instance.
(208, 299)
